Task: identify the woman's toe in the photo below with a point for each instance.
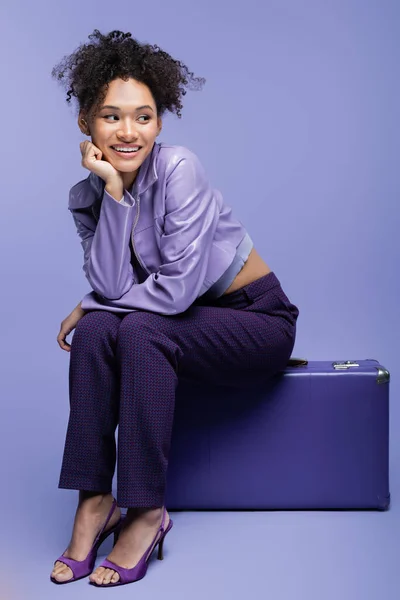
(104, 576)
(108, 576)
(59, 566)
(97, 575)
(63, 573)
(115, 577)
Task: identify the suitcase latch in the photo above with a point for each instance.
(344, 364)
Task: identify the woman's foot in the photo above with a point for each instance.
(90, 516)
(138, 531)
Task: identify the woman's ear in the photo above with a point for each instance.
(159, 123)
(82, 123)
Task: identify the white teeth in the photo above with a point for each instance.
(126, 149)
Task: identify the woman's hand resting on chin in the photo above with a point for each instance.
(92, 160)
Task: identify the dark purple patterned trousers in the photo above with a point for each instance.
(124, 370)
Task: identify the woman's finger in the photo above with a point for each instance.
(61, 338)
(63, 344)
(90, 153)
(83, 147)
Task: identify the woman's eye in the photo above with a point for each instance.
(111, 117)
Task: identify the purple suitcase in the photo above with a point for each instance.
(315, 436)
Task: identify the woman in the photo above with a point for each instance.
(177, 289)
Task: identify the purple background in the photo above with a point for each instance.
(297, 125)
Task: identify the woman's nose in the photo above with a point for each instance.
(127, 130)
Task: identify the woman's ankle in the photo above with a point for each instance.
(94, 498)
(150, 514)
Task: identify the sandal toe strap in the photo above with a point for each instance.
(79, 568)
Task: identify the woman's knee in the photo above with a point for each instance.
(134, 323)
(142, 327)
(98, 323)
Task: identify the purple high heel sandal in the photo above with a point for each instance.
(83, 568)
(139, 570)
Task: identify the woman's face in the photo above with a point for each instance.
(128, 115)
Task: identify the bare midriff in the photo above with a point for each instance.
(253, 269)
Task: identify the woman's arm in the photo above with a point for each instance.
(192, 214)
(107, 256)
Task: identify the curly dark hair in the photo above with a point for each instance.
(88, 71)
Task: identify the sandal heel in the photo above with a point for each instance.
(160, 554)
(116, 536)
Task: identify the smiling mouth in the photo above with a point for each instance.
(127, 151)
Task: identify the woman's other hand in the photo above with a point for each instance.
(68, 325)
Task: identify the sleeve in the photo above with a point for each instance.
(107, 255)
(191, 219)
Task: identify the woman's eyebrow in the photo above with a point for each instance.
(136, 109)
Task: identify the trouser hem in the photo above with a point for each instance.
(86, 483)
